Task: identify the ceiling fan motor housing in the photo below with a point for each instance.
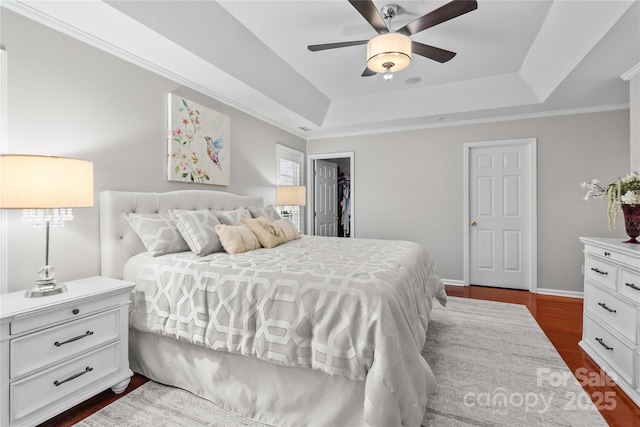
(390, 51)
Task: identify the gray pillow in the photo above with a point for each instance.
(199, 230)
(234, 217)
(268, 212)
(158, 232)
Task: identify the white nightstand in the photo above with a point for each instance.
(60, 350)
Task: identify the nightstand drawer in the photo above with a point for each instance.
(40, 319)
(612, 311)
(613, 350)
(630, 284)
(47, 387)
(601, 272)
(50, 346)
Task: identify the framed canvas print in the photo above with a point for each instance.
(199, 143)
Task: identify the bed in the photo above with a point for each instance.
(315, 331)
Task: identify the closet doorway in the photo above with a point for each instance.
(330, 182)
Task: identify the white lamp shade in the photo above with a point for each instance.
(44, 182)
(291, 195)
(390, 48)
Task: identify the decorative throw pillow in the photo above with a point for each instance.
(158, 232)
(288, 229)
(199, 230)
(237, 238)
(268, 212)
(234, 217)
(268, 235)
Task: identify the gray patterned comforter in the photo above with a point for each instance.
(358, 308)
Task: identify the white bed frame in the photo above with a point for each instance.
(272, 394)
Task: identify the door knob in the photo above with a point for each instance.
(473, 223)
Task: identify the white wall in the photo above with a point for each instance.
(409, 186)
(69, 99)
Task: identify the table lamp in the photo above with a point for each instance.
(291, 195)
(45, 188)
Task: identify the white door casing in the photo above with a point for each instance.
(326, 198)
(311, 159)
(500, 214)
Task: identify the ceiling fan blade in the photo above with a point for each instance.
(369, 11)
(368, 72)
(317, 47)
(438, 16)
(431, 52)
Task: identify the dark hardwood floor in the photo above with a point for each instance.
(559, 317)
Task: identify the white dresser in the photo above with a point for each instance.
(611, 332)
(60, 350)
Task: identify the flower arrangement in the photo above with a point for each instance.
(625, 191)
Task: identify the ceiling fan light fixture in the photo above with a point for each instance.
(389, 48)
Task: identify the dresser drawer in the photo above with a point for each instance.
(48, 347)
(610, 348)
(613, 255)
(615, 313)
(40, 390)
(601, 272)
(27, 322)
(630, 284)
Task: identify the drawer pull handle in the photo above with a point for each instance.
(73, 377)
(607, 253)
(79, 337)
(632, 286)
(598, 271)
(603, 344)
(603, 305)
(75, 311)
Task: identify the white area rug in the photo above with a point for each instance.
(493, 363)
(496, 367)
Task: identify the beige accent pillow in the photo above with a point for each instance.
(268, 235)
(237, 238)
(271, 234)
(290, 231)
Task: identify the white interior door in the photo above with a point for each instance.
(501, 212)
(326, 198)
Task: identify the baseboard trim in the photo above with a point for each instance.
(453, 282)
(560, 293)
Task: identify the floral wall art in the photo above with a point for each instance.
(199, 143)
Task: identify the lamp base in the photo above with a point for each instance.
(45, 290)
(47, 284)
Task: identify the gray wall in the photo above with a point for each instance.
(66, 98)
(409, 186)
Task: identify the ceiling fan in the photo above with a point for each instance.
(391, 51)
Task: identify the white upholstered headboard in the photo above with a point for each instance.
(118, 242)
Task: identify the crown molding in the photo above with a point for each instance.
(634, 71)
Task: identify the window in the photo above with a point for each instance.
(290, 172)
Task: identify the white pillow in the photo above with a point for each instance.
(234, 217)
(158, 232)
(237, 238)
(198, 228)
